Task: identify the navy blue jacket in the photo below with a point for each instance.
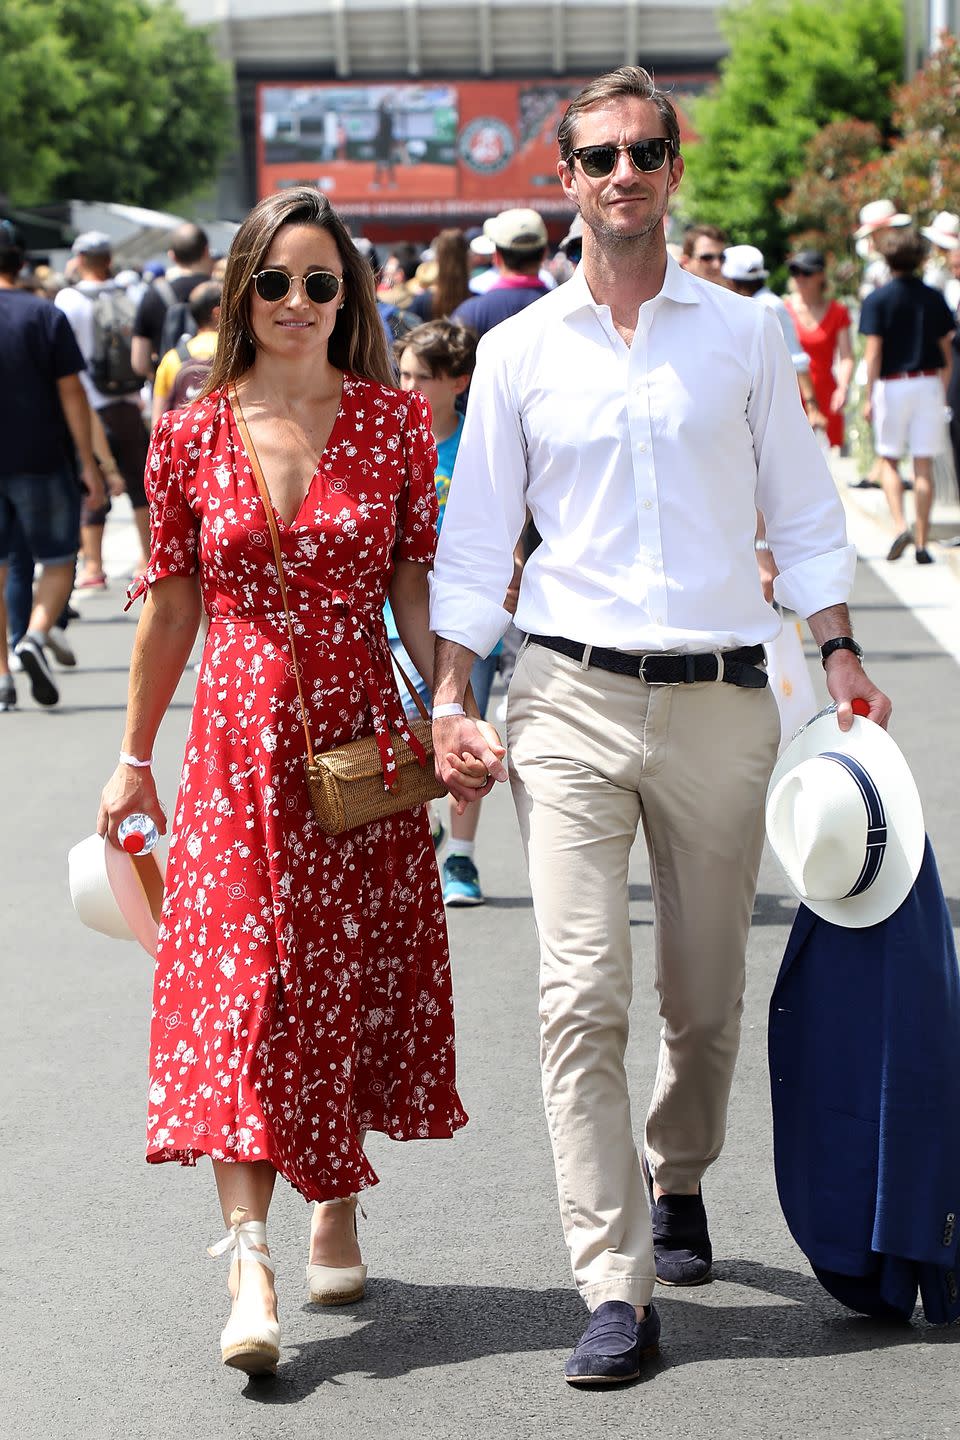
(864, 1048)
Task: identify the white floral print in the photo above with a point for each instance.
(302, 990)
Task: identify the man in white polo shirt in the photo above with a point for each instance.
(641, 416)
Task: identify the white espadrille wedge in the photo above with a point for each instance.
(249, 1342)
(338, 1284)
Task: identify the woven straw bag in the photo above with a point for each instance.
(346, 785)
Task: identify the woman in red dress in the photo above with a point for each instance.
(823, 326)
(302, 992)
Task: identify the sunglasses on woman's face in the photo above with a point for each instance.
(321, 286)
(646, 156)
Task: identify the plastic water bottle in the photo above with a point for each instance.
(137, 834)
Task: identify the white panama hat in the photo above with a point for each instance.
(845, 821)
(877, 216)
(117, 894)
(943, 230)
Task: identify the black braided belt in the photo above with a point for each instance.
(735, 667)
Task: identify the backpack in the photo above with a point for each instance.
(189, 379)
(177, 321)
(110, 368)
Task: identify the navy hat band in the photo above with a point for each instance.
(876, 821)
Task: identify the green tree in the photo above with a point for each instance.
(819, 210)
(794, 66)
(846, 165)
(922, 167)
(108, 100)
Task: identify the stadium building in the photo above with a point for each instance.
(411, 114)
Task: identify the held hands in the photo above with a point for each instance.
(847, 681)
(468, 758)
(129, 792)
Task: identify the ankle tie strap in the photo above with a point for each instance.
(243, 1237)
(353, 1200)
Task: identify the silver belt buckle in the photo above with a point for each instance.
(658, 655)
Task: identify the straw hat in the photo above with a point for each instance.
(117, 894)
(845, 821)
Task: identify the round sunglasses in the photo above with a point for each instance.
(321, 286)
(645, 156)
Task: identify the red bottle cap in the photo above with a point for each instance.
(134, 842)
(861, 707)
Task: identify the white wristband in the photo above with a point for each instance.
(126, 759)
(440, 712)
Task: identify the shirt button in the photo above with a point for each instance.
(648, 504)
(641, 447)
(658, 619)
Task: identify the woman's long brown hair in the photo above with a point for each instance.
(451, 252)
(358, 342)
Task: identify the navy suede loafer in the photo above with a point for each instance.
(681, 1241)
(613, 1344)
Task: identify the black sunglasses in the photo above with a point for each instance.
(645, 156)
(321, 286)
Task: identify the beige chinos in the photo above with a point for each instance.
(592, 755)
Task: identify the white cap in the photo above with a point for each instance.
(743, 262)
(92, 242)
(516, 230)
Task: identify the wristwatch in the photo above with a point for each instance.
(839, 642)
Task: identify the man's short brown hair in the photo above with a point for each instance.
(903, 249)
(693, 233)
(630, 81)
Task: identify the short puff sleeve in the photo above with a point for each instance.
(417, 506)
(174, 528)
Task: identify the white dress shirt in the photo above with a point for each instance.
(642, 469)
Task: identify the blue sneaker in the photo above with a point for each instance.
(461, 883)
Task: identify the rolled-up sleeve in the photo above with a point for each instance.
(485, 512)
(796, 495)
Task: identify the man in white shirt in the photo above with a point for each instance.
(642, 416)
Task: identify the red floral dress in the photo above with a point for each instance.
(302, 989)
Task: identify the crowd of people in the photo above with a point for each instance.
(621, 466)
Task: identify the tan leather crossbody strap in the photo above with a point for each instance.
(254, 459)
(425, 713)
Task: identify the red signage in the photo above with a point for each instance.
(431, 148)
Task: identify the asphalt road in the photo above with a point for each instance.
(110, 1309)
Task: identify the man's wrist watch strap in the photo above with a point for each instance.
(839, 642)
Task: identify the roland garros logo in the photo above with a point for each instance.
(487, 145)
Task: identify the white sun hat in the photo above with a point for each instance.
(845, 821)
(117, 894)
(877, 216)
(943, 230)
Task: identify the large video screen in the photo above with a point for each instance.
(401, 146)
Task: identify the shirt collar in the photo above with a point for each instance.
(677, 286)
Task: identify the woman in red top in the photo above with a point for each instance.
(823, 326)
(302, 990)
